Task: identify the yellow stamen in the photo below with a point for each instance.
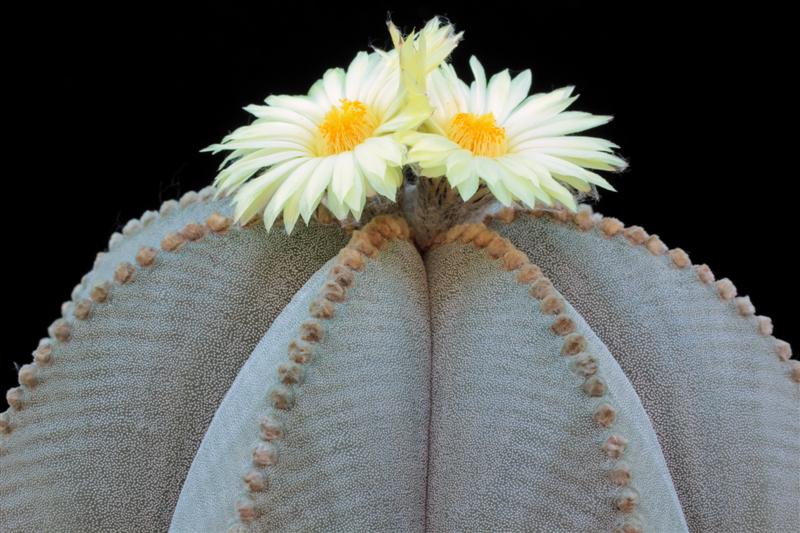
(347, 126)
(479, 134)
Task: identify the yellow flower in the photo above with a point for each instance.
(520, 146)
(334, 145)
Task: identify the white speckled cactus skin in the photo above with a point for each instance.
(541, 371)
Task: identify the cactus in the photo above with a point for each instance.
(441, 363)
(536, 370)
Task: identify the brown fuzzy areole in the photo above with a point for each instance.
(43, 355)
(605, 415)
(470, 232)
(271, 429)
(563, 325)
(14, 397)
(5, 422)
(506, 215)
(584, 218)
(99, 293)
(551, 304)
(498, 247)
(300, 352)
(745, 306)
(291, 373)
(783, 349)
(655, 246)
(627, 500)
(61, 330)
(454, 233)
(610, 226)
(614, 446)
(193, 231)
(679, 258)
(28, 375)
(375, 237)
(146, 256)
(311, 331)
(560, 214)
(514, 259)
(321, 308)
(351, 258)
(620, 475)
(218, 223)
(542, 288)
(764, 325)
(585, 365)
(483, 238)
(282, 397)
(704, 273)
(594, 387)
(726, 289)
(528, 273)
(265, 454)
(636, 235)
(574, 344)
(404, 231)
(794, 371)
(82, 310)
(333, 292)
(124, 273)
(360, 242)
(255, 481)
(172, 241)
(246, 510)
(385, 226)
(342, 276)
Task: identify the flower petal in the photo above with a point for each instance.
(497, 93)
(333, 82)
(356, 73)
(315, 187)
(477, 90)
(254, 195)
(563, 124)
(293, 183)
(343, 175)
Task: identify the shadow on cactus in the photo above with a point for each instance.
(448, 342)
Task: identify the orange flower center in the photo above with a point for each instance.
(479, 134)
(346, 126)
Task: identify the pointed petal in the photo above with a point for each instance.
(315, 187)
(497, 94)
(293, 183)
(343, 175)
(477, 96)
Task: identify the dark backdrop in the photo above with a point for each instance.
(108, 108)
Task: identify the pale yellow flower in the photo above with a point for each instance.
(520, 146)
(334, 145)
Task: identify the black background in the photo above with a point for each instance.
(107, 107)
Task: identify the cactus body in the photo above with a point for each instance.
(543, 372)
